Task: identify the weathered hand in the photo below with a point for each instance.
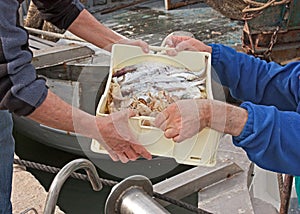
(181, 43)
(118, 139)
(140, 43)
(183, 119)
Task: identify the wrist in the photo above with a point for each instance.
(224, 117)
(205, 112)
(209, 49)
(240, 121)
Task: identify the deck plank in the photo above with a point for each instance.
(48, 54)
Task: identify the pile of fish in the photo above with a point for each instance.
(149, 87)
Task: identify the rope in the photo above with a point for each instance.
(30, 209)
(261, 6)
(80, 176)
(180, 203)
(54, 170)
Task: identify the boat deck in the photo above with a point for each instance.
(48, 54)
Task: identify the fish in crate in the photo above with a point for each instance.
(149, 87)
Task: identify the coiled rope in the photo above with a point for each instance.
(80, 176)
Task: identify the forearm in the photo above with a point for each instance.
(112, 131)
(56, 113)
(87, 27)
(226, 118)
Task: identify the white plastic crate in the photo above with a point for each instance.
(198, 150)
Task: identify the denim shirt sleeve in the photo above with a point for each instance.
(21, 91)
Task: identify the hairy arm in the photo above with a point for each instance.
(185, 118)
(88, 28)
(269, 136)
(227, 118)
(111, 131)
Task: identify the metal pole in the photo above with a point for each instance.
(62, 176)
(133, 196)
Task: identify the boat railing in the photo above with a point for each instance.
(132, 195)
(65, 173)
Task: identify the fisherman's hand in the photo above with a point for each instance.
(140, 43)
(118, 139)
(183, 119)
(184, 43)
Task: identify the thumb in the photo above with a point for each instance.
(131, 113)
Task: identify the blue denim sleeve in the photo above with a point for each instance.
(255, 80)
(271, 138)
(21, 91)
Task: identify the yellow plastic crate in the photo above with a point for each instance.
(198, 150)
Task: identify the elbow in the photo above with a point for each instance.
(15, 105)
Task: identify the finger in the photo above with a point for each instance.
(169, 42)
(171, 133)
(122, 157)
(131, 113)
(179, 139)
(110, 152)
(113, 156)
(131, 154)
(160, 119)
(145, 47)
(184, 45)
(171, 52)
(164, 126)
(142, 151)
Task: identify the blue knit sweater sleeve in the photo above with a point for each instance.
(271, 94)
(271, 138)
(255, 80)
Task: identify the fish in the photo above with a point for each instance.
(149, 87)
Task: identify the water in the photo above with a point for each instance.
(152, 23)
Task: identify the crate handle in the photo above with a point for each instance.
(147, 122)
(160, 48)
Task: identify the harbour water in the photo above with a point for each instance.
(150, 22)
